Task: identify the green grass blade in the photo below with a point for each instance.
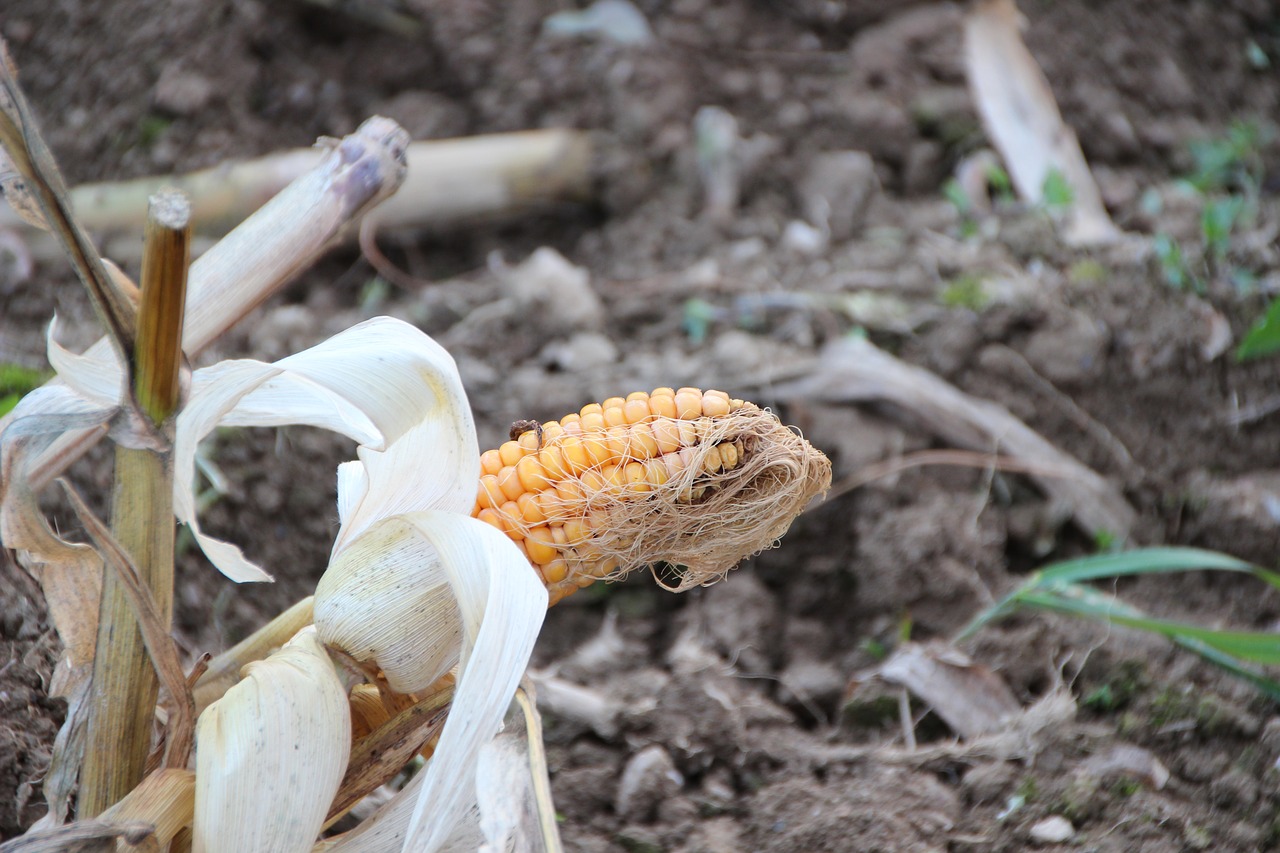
(1138, 562)
(1255, 646)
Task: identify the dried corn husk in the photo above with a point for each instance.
(271, 753)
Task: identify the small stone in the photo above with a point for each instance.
(1070, 349)
(181, 93)
(803, 238)
(836, 191)
(987, 783)
(649, 778)
(581, 352)
(1053, 830)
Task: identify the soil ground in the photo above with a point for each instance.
(739, 726)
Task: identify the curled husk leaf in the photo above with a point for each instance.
(271, 753)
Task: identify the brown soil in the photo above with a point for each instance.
(742, 688)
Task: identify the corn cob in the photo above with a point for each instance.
(676, 476)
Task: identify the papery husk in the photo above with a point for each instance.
(271, 754)
(386, 599)
(165, 799)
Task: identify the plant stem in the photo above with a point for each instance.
(124, 683)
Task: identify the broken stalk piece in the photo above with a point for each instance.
(125, 684)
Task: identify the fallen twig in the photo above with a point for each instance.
(855, 370)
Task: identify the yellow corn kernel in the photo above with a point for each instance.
(553, 463)
(590, 409)
(509, 482)
(597, 447)
(528, 441)
(591, 422)
(491, 462)
(615, 476)
(688, 403)
(509, 514)
(643, 443)
(618, 441)
(555, 571)
(491, 495)
(575, 455)
(662, 405)
(491, 517)
(532, 475)
(636, 411)
(715, 404)
(511, 453)
(638, 395)
(612, 403)
(541, 546)
(571, 418)
(576, 531)
(666, 434)
(551, 431)
(531, 508)
(633, 476)
(615, 416)
(655, 472)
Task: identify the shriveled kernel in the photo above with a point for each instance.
(491, 462)
(714, 406)
(540, 545)
(558, 537)
(729, 454)
(531, 508)
(663, 406)
(636, 411)
(711, 460)
(509, 483)
(511, 453)
(491, 494)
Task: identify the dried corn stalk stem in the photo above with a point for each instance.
(683, 478)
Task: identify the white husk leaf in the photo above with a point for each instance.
(271, 754)
(500, 605)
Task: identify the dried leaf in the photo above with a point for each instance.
(971, 699)
(1022, 119)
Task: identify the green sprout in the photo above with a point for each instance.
(15, 382)
(1264, 337)
(1063, 588)
(1056, 193)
